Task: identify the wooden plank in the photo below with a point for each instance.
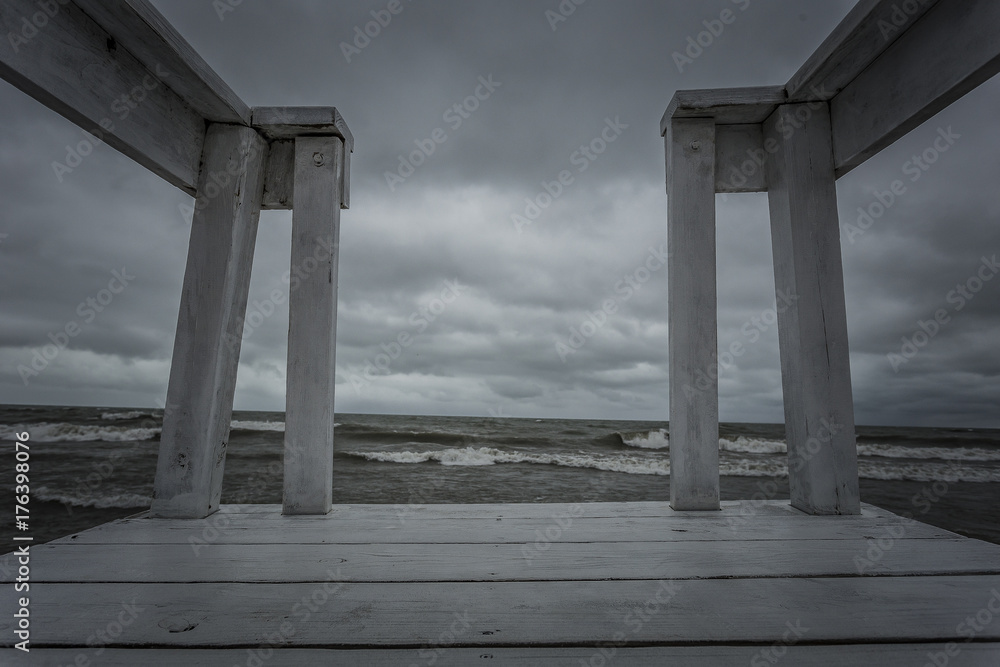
(362, 615)
(312, 326)
(222, 529)
(138, 27)
(450, 511)
(728, 106)
(949, 51)
(740, 158)
(279, 178)
(210, 324)
(544, 559)
(863, 35)
(693, 317)
(281, 124)
(812, 315)
(73, 66)
(884, 655)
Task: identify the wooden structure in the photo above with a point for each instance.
(884, 70)
(515, 584)
(523, 584)
(85, 58)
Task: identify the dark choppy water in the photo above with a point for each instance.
(91, 465)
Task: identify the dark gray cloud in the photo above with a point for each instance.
(520, 296)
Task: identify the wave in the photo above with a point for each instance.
(480, 456)
(645, 439)
(122, 416)
(749, 445)
(100, 502)
(638, 465)
(62, 432)
(250, 425)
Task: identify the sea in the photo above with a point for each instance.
(92, 465)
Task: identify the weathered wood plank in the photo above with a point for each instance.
(137, 26)
(863, 35)
(312, 326)
(812, 314)
(949, 51)
(884, 655)
(728, 106)
(693, 314)
(544, 559)
(740, 158)
(279, 178)
(73, 66)
(347, 614)
(232, 529)
(210, 324)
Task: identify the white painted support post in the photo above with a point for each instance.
(693, 330)
(210, 324)
(812, 331)
(312, 326)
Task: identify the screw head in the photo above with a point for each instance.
(695, 145)
(319, 159)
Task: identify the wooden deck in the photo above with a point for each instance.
(554, 584)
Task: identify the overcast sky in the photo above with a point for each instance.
(500, 347)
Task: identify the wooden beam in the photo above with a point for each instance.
(861, 37)
(693, 316)
(312, 325)
(740, 158)
(210, 324)
(71, 63)
(281, 125)
(812, 316)
(951, 49)
(728, 106)
(138, 27)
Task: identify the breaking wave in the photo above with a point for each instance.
(62, 432)
(124, 500)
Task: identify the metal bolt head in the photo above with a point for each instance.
(319, 159)
(695, 145)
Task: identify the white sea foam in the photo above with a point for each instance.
(648, 440)
(943, 453)
(99, 501)
(120, 416)
(250, 425)
(478, 456)
(61, 432)
(746, 445)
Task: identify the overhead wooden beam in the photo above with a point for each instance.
(140, 28)
(740, 157)
(118, 70)
(951, 49)
(728, 106)
(861, 37)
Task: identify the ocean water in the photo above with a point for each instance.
(92, 465)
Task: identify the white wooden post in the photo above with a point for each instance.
(812, 331)
(312, 326)
(693, 331)
(209, 326)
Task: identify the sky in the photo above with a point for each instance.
(520, 281)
